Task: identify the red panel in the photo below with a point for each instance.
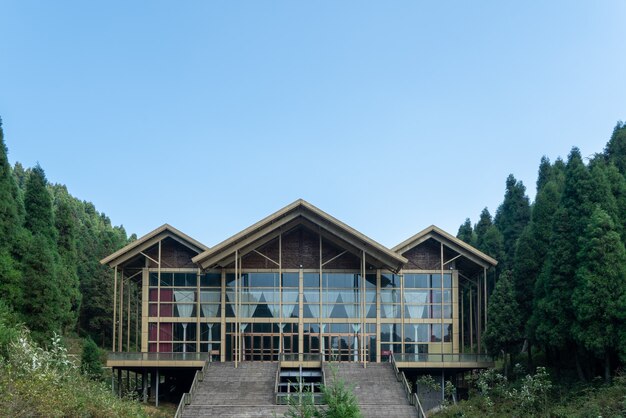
(166, 331)
(167, 310)
(167, 295)
(153, 295)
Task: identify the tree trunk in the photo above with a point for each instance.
(607, 366)
(530, 356)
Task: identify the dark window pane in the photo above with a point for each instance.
(211, 280)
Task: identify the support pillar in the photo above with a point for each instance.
(144, 385)
(158, 383)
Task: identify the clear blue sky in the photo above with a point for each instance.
(390, 116)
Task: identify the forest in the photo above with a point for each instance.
(50, 247)
(560, 286)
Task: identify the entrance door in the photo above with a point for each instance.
(265, 346)
(344, 347)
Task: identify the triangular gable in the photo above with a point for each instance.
(142, 244)
(449, 241)
(299, 212)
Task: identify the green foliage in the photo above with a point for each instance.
(512, 217)
(600, 287)
(38, 204)
(504, 327)
(466, 233)
(39, 382)
(339, 399)
(302, 405)
(615, 150)
(90, 363)
(536, 395)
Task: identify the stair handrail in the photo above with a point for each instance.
(187, 398)
(412, 397)
(276, 384)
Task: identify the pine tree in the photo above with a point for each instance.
(10, 223)
(44, 300)
(553, 315)
(466, 233)
(481, 227)
(532, 248)
(600, 289)
(66, 224)
(615, 150)
(504, 327)
(512, 217)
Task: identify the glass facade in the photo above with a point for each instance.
(345, 315)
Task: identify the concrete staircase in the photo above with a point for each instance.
(246, 391)
(376, 388)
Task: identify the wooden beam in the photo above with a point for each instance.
(254, 238)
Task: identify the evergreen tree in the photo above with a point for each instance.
(66, 223)
(553, 315)
(512, 217)
(615, 150)
(545, 172)
(600, 289)
(38, 204)
(10, 276)
(466, 233)
(90, 363)
(44, 299)
(504, 327)
(532, 248)
(480, 229)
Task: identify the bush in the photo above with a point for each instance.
(90, 363)
(38, 382)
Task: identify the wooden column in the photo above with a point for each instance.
(441, 301)
(485, 290)
(128, 318)
(114, 305)
(158, 323)
(120, 332)
(471, 320)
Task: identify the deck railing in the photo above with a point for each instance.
(295, 357)
(412, 397)
(187, 398)
(119, 356)
(442, 358)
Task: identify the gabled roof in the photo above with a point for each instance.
(298, 212)
(450, 241)
(148, 241)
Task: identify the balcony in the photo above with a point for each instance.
(127, 360)
(448, 361)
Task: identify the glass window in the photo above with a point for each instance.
(419, 281)
(291, 279)
(388, 280)
(436, 280)
(211, 280)
(166, 279)
(311, 280)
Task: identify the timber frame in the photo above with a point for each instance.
(299, 240)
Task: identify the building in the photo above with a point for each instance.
(299, 285)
